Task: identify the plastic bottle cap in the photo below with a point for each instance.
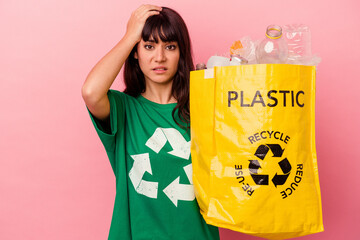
(273, 32)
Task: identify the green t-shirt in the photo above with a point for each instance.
(150, 157)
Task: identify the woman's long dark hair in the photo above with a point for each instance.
(169, 26)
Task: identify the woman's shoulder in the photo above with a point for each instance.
(122, 97)
(119, 94)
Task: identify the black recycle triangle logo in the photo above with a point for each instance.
(263, 179)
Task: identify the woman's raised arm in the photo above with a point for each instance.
(101, 77)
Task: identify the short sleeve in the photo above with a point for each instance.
(108, 134)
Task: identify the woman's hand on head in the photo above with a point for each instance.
(137, 21)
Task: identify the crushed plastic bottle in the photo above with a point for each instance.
(298, 38)
(273, 49)
(218, 61)
(245, 47)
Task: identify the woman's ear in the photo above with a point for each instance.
(135, 55)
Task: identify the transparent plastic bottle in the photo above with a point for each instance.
(273, 49)
(298, 37)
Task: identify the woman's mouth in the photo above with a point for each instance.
(160, 69)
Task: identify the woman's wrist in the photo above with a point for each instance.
(130, 40)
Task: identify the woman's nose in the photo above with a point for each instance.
(160, 55)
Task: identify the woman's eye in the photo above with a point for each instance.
(171, 47)
(148, 47)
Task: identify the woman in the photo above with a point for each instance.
(145, 130)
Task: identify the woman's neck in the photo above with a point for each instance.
(159, 93)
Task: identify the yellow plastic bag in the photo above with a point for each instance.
(253, 149)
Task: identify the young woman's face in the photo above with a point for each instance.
(158, 61)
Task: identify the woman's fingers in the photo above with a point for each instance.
(150, 7)
(138, 18)
(145, 11)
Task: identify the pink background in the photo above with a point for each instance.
(55, 179)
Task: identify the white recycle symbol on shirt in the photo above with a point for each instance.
(181, 148)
